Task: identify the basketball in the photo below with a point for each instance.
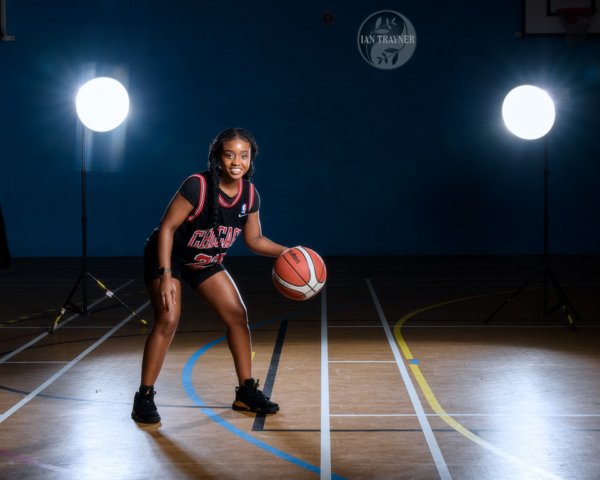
(299, 273)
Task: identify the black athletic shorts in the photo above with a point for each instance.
(192, 277)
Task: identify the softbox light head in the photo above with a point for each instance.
(528, 112)
(102, 104)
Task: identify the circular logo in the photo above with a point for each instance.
(387, 39)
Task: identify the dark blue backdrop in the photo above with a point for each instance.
(354, 160)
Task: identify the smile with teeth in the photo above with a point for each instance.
(236, 170)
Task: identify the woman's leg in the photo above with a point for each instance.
(163, 331)
(157, 344)
(221, 293)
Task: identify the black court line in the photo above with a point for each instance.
(259, 421)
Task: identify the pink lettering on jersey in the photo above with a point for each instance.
(196, 239)
(203, 261)
(205, 239)
(232, 234)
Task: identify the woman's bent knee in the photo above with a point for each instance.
(166, 324)
(236, 317)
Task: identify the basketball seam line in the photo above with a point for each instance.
(294, 270)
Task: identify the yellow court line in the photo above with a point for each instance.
(435, 405)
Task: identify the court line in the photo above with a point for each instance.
(186, 378)
(80, 327)
(380, 415)
(70, 365)
(362, 361)
(469, 415)
(434, 448)
(325, 423)
(435, 405)
(60, 325)
(32, 461)
(355, 326)
(40, 362)
(259, 420)
(474, 325)
(37, 391)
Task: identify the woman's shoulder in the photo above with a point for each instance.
(206, 175)
(194, 178)
(194, 184)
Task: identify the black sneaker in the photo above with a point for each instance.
(144, 410)
(249, 398)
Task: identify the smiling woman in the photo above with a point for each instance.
(207, 214)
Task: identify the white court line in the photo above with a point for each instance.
(67, 367)
(362, 361)
(60, 325)
(434, 448)
(325, 426)
(355, 326)
(475, 325)
(42, 362)
(80, 327)
(468, 415)
(379, 415)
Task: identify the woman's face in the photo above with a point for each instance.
(235, 159)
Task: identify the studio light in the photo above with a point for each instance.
(102, 104)
(528, 112)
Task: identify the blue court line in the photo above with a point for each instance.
(186, 378)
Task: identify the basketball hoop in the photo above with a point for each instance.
(576, 21)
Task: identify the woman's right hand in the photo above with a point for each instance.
(167, 289)
(177, 212)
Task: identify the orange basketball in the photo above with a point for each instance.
(299, 273)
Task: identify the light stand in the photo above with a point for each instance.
(98, 112)
(517, 122)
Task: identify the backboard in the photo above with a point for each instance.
(543, 17)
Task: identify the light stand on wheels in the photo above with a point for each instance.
(529, 113)
(102, 93)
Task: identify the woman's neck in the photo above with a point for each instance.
(230, 188)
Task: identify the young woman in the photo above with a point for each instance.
(201, 222)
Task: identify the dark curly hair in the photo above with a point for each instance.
(214, 166)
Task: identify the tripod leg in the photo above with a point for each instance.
(67, 303)
(567, 306)
(111, 294)
(513, 295)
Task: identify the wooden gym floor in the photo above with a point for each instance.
(391, 373)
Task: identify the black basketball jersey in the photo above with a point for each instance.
(194, 242)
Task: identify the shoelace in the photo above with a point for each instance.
(148, 396)
(258, 392)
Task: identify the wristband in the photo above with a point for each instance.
(163, 270)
